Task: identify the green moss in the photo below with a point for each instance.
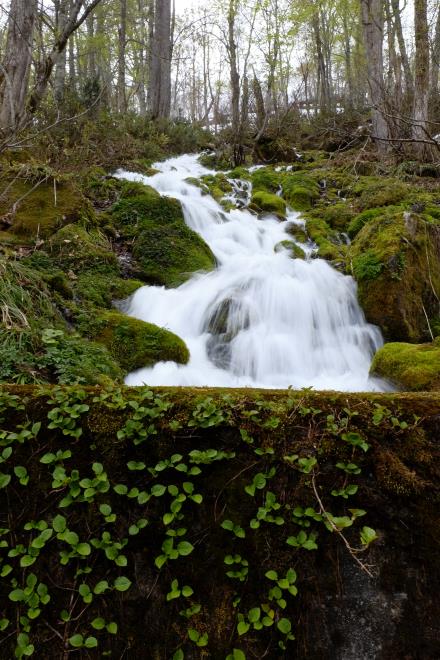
(337, 215)
(43, 210)
(135, 344)
(395, 258)
(166, 249)
(326, 239)
(361, 219)
(169, 254)
(102, 290)
(198, 184)
(300, 190)
(375, 191)
(297, 231)
(268, 203)
(367, 266)
(217, 185)
(74, 248)
(147, 207)
(239, 173)
(266, 179)
(413, 367)
(294, 250)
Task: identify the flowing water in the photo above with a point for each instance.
(261, 318)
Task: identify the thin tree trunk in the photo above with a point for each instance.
(122, 41)
(435, 69)
(59, 83)
(409, 82)
(15, 68)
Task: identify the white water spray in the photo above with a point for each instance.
(261, 319)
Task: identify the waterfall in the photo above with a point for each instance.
(261, 318)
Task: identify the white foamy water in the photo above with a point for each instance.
(261, 318)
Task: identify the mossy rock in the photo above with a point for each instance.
(338, 215)
(395, 259)
(101, 290)
(414, 367)
(265, 179)
(297, 231)
(43, 210)
(264, 202)
(168, 255)
(140, 205)
(361, 219)
(295, 252)
(239, 173)
(198, 184)
(327, 240)
(374, 192)
(300, 190)
(74, 248)
(135, 344)
(167, 251)
(217, 185)
(102, 189)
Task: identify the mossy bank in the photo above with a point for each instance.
(218, 523)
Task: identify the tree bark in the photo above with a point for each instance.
(59, 83)
(160, 71)
(16, 66)
(122, 42)
(421, 80)
(372, 23)
(409, 81)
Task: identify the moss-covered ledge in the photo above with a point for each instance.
(217, 523)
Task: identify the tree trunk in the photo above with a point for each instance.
(15, 68)
(59, 83)
(421, 80)
(122, 42)
(372, 22)
(435, 71)
(235, 85)
(160, 72)
(409, 82)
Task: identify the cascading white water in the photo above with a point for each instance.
(261, 319)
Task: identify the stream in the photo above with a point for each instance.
(261, 318)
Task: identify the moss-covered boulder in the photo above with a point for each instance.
(300, 190)
(135, 344)
(166, 250)
(379, 191)
(413, 367)
(297, 231)
(329, 244)
(266, 180)
(217, 185)
(74, 248)
(338, 215)
(264, 202)
(395, 259)
(36, 206)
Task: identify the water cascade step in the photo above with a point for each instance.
(261, 318)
